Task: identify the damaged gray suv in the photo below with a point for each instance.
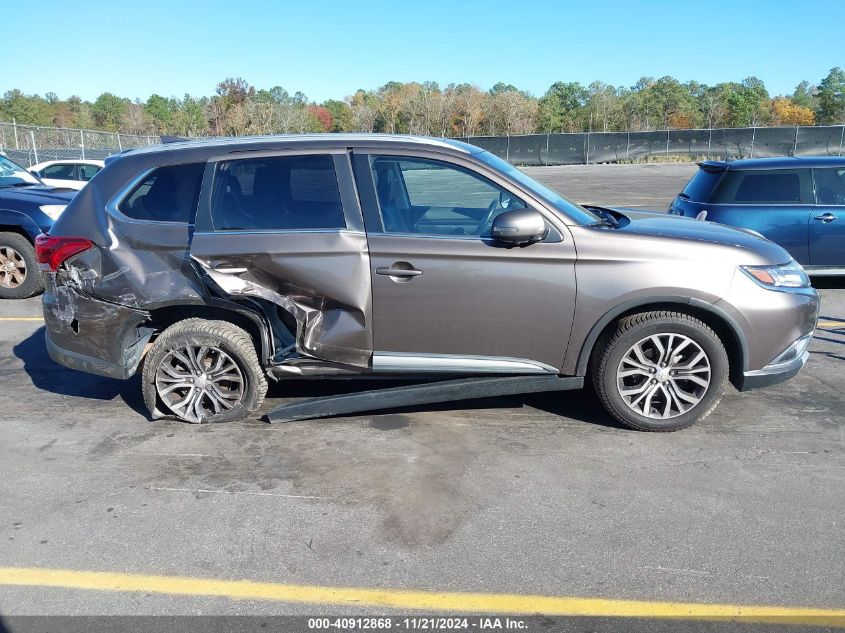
(219, 264)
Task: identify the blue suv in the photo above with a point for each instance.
(27, 208)
(798, 203)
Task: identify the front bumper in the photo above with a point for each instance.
(773, 328)
(772, 374)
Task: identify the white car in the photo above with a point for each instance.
(70, 174)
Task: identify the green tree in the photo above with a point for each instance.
(158, 109)
(805, 96)
(191, 117)
(561, 108)
(341, 115)
(18, 106)
(669, 101)
(501, 87)
(747, 102)
(80, 112)
(108, 111)
(276, 94)
(831, 94)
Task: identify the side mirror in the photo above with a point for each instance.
(519, 227)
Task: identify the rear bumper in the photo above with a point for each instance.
(772, 374)
(88, 364)
(91, 335)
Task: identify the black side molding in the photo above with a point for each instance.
(427, 393)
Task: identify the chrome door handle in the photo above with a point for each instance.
(229, 270)
(827, 217)
(398, 272)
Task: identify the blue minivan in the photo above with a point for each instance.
(797, 202)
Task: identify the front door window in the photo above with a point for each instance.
(429, 197)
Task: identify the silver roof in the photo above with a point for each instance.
(272, 140)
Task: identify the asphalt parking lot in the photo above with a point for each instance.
(542, 495)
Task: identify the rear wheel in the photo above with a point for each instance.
(19, 274)
(203, 371)
(660, 371)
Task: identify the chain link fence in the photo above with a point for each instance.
(612, 147)
(28, 144)
(31, 144)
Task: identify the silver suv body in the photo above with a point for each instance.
(221, 263)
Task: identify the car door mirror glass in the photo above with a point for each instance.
(519, 227)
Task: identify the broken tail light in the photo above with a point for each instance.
(51, 252)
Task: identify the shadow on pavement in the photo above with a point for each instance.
(50, 376)
(47, 375)
(828, 283)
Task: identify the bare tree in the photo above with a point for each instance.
(514, 113)
(469, 108)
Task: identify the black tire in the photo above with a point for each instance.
(220, 335)
(32, 283)
(627, 333)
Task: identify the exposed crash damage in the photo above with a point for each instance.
(322, 281)
(98, 337)
(90, 302)
(304, 311)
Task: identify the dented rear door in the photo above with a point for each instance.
(286, 227)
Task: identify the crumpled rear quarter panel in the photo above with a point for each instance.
(94, 336)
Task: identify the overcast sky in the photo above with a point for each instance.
(329, 49)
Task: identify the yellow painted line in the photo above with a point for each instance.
(21, 318)
(425, 601)
(831, 324)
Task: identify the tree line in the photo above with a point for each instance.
(238, 108)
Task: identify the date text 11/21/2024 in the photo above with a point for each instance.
(419, 623)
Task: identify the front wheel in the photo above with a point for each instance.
(19, 274)
(660, 371)
(203, 371)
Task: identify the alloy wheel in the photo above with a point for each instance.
(12, 267)
(663, 376)
(197, 382)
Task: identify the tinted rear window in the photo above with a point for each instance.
(60, 172)
(277, 193)
(167, 194)
(772, 186)
(702, 184)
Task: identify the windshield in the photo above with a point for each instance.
(12, 174)
(570, 209)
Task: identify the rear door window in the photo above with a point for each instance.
(830, 185)
(277, 193)
(769, 186)
(701, 185)
(167, 194)
(60, 172)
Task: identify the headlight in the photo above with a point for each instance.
(789, 275)
(53, 211)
